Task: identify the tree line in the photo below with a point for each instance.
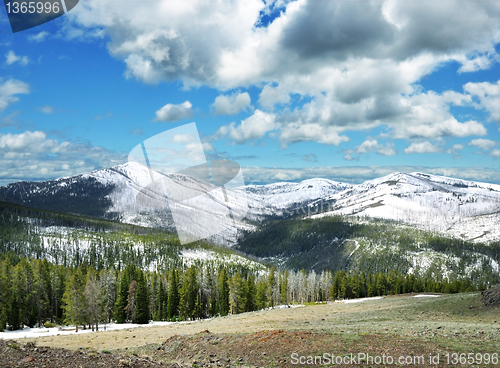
(36, 292)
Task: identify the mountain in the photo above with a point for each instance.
(111, 194)
(68, 240)
(458, 208)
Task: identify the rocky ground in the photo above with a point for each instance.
(491, 296)
(15, 354)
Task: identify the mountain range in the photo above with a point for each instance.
(458, 208)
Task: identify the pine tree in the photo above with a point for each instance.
(173, 296)
(5, 293)
(251, 293)
(223, 292)
(74, 299)
(142, 301)
(189, 291)
(261, 297)
(237, 294)
(120, 315)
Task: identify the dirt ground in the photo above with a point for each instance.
(491, 297)
(15, 354)
(396, 326)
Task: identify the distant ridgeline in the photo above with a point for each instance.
(371, 246)
(57, 267)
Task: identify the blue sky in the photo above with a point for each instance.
(291, 90)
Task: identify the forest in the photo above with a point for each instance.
(59, 268)
(38, 293)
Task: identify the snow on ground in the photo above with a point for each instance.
(349, 301)
(70, 330)
(425, 296)
(192, 256)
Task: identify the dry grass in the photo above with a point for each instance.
(459, 320)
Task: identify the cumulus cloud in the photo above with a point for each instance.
(39, 37)
(231, 104)
(488, 95)
(253, 127)
(360, 63)
(374, 146)
(422, 147)
(171, 112)
(33, 156)
(484, 144)
(11, 58)
(370, 145)
(8, 91)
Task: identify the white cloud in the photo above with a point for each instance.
(476, 63)
(11, 58)
(33, 156)
(488, 95)
(171, 112)
(39, 37)
(359, 63)
(373, 146)
(359, 174)
(495, 152)
(9, 89)
(484, 144)
(370, 145)
(231, 104)
(422, 147)
(253, 127)
(46, 109)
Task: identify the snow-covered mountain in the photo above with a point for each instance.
(465, 209)
(112, 192)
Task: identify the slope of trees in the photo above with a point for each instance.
(34, 292)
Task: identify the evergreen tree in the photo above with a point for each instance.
(5, 293)
(188, 293)
(251, 293)
(120, 315)
(74, 299)
(173, 296)
(237, 294)
(223, 292)
(142, 300)
(261, 298)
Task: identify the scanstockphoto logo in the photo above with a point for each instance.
(28, 14)
(202, 195)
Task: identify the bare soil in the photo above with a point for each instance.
(393, 326)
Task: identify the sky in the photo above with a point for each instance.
(291, 90)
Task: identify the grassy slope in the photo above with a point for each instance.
(397, 324)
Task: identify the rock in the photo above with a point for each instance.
(28, 360)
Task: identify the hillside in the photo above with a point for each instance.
(451, 207)
(358, 244)
(70, 240)
(411, 326)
